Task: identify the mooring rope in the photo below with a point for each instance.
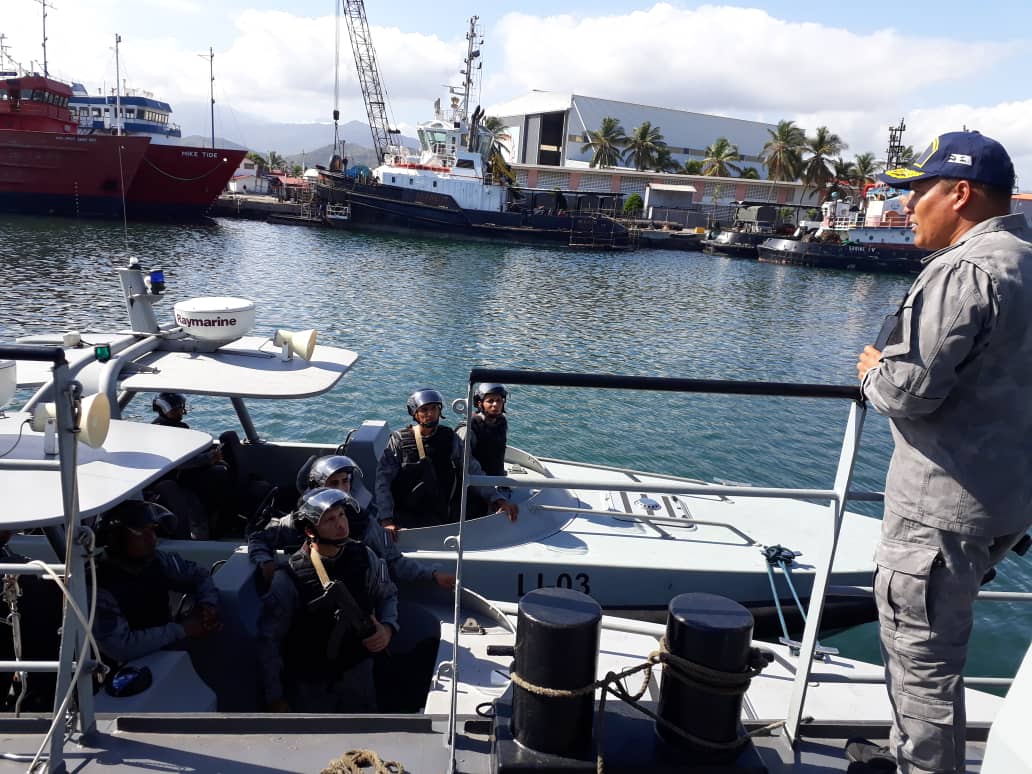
(688, 672)
(159, 170)
(359, 761)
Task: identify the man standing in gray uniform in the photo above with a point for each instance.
(954, 377)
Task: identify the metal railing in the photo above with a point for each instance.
(835, 496)
(66, 395)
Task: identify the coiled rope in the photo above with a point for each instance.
(359, 761)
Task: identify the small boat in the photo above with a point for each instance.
(47, 167)
(876, 237)
(753, 223)
(508, 687)
(668, 239)
(628, 538)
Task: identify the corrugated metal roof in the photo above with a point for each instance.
(667, 187)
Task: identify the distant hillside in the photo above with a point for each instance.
(205, 142)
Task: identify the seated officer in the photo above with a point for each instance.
(339, 472)
(419, 472)
(134, 580)
(205, 477)
(323, 620)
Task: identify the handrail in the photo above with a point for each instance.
(836, 497)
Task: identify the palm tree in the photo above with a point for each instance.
(643, 146)
(864, 169)
(665, 162)
(607, 143)
(720, 159)
(693, 167)
(824, 145)
(750, 173)
(783, 152)
(498, 133)
(260, 162)
(843, 174)
(276, 161)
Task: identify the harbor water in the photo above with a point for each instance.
(421, 313)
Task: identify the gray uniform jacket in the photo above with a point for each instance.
(111, 629)
(278, 608)
(956, 381)
(390, 464)
(282, 535)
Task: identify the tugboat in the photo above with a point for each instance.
(457, 183)
(876, 237)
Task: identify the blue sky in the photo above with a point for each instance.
(855, 67)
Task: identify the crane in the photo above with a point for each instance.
(373, 93)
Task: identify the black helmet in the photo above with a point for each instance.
(315, 502)
(489, 388)
(167, 401)
(421, 398)
(131, 514)
(318, 470)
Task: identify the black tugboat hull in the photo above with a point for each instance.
(395, 209)
(736, 244)
(887, 258)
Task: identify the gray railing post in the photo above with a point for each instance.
(843, 475)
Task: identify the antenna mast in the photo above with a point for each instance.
(369, 76)
(45, 4)
(118, 89)
(472, 53)
(895, 149)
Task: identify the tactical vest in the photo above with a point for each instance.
(306, 654)
(424, 490)
(142, 597)
(489, 448)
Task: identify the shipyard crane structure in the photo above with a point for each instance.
(373, 93)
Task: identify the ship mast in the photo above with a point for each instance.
(45, 4)
(895, 149)
(472, 53)
(118, 89)
(373, 93)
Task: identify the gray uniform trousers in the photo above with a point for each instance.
(925, 586)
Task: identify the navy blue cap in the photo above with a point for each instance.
(961, 155)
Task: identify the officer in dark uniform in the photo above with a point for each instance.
(324, 619)
(337, 471)
(418, 475)
(134, 580)
(208, 502)
(170, 407)
(488, 436)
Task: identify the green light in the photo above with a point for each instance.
(102, 352)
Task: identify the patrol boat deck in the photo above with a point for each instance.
(814, 704)
(630, 539)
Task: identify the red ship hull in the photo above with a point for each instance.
(56, 173)
(180, 181)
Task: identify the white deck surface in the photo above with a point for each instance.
(244, 368)
(133, 455)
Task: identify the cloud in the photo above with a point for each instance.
(740, 62)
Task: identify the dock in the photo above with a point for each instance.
(267, 208)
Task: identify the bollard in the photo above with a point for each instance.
(715, 632)
(557, 636)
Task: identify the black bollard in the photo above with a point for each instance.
(715, 632)
(557, 635)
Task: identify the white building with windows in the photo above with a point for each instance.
(546, 132)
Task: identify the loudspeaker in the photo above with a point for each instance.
(300, 343)
(94, 420)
